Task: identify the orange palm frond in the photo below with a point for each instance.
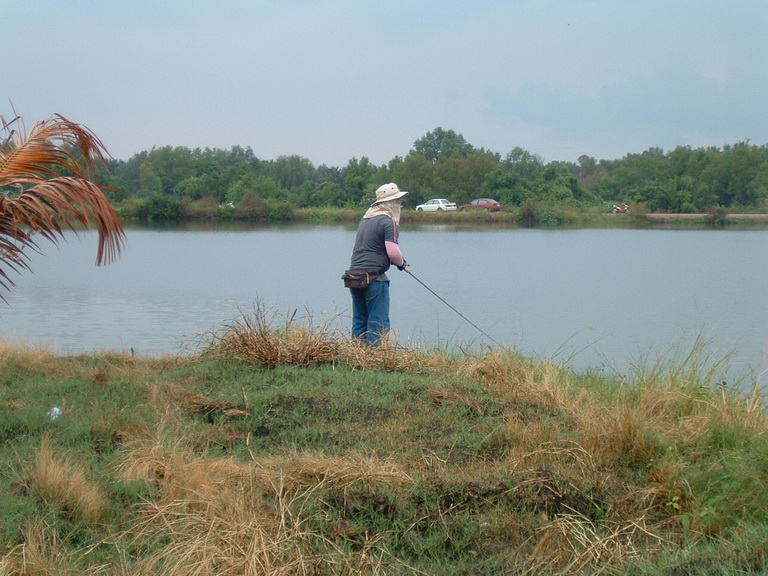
(35, 198)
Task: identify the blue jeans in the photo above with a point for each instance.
(370, 312)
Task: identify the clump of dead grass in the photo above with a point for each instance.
(517, 380)
(623, 435)
(171, 463)
(251, 540)
(65, 485)
(265, 338)
(450, 394)
(305, 469)
(218, 516)
(389, 356)
(496, 367)
(195, 403)
(43, 553)
(573, 544)
(168, 462)
(33, 358)
(255, 339)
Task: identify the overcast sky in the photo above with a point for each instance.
(332, 80)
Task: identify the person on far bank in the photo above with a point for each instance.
(376, 248)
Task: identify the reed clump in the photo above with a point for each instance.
(266, 338)
(283, 448)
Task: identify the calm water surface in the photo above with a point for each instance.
(591, 297)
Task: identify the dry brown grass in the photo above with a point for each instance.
(221, 517)
(64, 485)
(168, 461)
(194, 403)
(247, 541)
(302, 470)
(746, 411)
(42, 554)
(621, 435)
(572, 544)
(257, 338)
(494, 367)
(181, 474)
(450, 394)
(265, 338)
(111, 366)
(516, 380)
(33, 358)
(389, 356)
(632, 431)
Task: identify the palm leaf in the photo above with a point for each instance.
(46, 186)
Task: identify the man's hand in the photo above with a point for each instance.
(401, 268)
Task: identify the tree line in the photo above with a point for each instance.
(178, 182)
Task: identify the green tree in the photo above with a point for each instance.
(267, 188)
(461, 179)
(357, 176)
(327, 194)
(413, 173)
(512, 182)
(237, 190)
(588, 171)
(149, 181)
(556, 184)
(329, 175)
(292, 171)
(440, 144)
(172, 165)
(757, 188)
(161, 207)
(194, 187)
(731, 173)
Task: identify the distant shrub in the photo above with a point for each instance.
(280, 211)
(251, 207)
(205, 208)
(532, 214)
(527, 215)
(716, 216)
(163, 208)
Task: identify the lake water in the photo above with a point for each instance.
(604, 298)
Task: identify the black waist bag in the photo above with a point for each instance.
(359, 278)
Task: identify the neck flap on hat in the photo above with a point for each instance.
(390, 208)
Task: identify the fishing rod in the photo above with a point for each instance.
(483, 332)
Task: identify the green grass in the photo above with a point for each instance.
(388, 461)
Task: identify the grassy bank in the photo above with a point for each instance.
(529, 214)
(283, 449)
(539, 215)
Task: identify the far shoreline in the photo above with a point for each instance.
(545, 219)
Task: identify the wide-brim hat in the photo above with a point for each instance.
(388, 192)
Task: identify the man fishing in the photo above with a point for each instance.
(376, 248)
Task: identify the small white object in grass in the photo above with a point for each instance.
(54, 413)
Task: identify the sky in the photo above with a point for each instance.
(333, 80)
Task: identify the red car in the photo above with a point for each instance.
(482, 204)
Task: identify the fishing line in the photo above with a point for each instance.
(483, 332)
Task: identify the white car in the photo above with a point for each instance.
(436, 204)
